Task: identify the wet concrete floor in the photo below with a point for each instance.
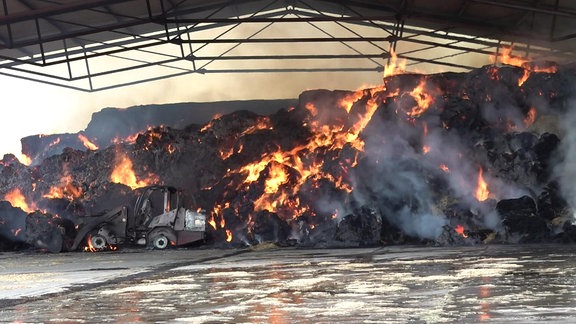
(516, 284)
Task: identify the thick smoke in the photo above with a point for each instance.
(565, 170)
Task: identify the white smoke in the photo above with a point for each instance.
(565, 169)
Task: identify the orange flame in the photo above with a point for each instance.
(17, 199)
(423, 98)
(66, 190)
(301, 165)
(212, 221)
(530, 117)
(124, 173)
(394, 67)
(507, 58)
(524, 63)
(24, 159)
(228, 235)
(87, 143)
(482, 192)
(459, 229)
(90, 247)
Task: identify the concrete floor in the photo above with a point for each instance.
(273, 285)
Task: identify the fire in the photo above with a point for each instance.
(124, 173)
(228, 235)
(170, 149)
(17, 231)
(530, 117)
(394, 67)
(87, 143)
(24, 159)
(17, 199)
(444, 168)
(423, 98)
(482, 192)
(303, 165)
(459, 229)
(212, 221)
(524, 63)
(507, 58)
(67, 190)
(90, 247)
(284, 173)
(425, 148)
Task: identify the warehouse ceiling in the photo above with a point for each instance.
(98, 44)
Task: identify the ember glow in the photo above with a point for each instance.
(459, 229)
(444, 168)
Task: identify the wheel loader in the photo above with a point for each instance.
(157, 221)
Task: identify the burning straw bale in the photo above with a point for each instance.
(449, 158)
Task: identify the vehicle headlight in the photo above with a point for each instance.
(199, 220)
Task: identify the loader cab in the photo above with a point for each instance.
(159, 220)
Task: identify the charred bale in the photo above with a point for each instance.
(49, 232)
(520, 219)
(268, 227)
(362, 228)
(12, 224)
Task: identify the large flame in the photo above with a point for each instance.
(67, 189)
(124, 173)
(283, 174)
(525, 63)
(17, 199)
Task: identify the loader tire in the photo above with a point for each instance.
(98, 241)
(160, 242)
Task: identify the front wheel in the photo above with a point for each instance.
(96, 242)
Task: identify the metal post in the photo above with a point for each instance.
(8, 26)
(88, 69)
(553, 28)
(497, 52)
(67, 58)
(165, 20)
(40, 43)
(149, 7)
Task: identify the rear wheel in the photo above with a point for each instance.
(160, 242)
(160, 238)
